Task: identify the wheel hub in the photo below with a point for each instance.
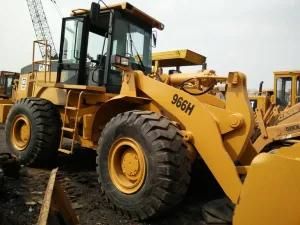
(21, 132)
(130, 164)
(127, 167)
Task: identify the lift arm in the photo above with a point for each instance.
(202, 120)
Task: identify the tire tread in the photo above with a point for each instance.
(173, 171)
(47, 127)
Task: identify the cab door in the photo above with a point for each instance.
(84, 50)
(71, 65)
(283, 90)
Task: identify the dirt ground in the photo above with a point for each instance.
(21, 198)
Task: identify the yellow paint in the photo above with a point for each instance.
(271, 191)
(200, 122)
(182, 57)
(4, 110)
(20, 132)
(126, 164)
(129, 9)
(218, 130)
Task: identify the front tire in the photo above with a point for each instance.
(142, 164)
(33, 130)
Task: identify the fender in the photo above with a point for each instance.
(114, 106)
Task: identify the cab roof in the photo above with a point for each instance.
(8, 73)
(182, 57)
(287, 72)
(129, 9)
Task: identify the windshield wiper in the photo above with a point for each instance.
(137, 53)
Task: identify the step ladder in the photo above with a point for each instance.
(73, 129)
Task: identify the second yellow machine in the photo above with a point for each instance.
(147, 127)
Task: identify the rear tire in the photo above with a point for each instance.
(162, 183)
(33, 129)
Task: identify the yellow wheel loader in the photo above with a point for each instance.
(277, 112)
(6, 83)
(146, 127)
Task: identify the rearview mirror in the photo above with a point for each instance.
(94, 12)
(154, 38)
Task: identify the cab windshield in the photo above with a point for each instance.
(134, 42)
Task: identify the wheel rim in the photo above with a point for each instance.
(126, 164)
(20, 133)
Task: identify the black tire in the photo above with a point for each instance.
(168, 168)
(45, 130)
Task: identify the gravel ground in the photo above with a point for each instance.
(3, 147)
(21, 198)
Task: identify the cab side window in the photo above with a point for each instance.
(284, 89)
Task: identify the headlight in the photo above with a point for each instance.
(119, 60)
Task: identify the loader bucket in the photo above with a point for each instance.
(271, 190)
(56, 208)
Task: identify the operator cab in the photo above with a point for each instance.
(287, 88)
(93, 40)
(6, 83)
